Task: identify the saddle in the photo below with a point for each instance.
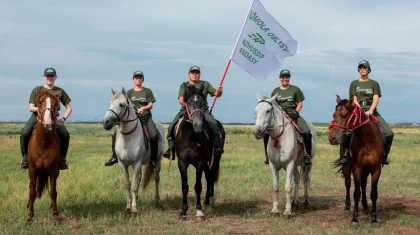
(180, 121)
(298, 132)
(146, 134)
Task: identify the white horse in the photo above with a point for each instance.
(283, 150)
(130, 147)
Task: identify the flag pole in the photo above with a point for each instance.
(230, 58)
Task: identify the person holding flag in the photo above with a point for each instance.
(194, 80)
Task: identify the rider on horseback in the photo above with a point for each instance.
(50, 75)
(365, 93)
(194, 80)
(290, 99)
(142, 99)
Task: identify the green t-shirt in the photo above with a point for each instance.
(364, 90)
(141, 99)
(64, 98)
(288, 99)
(208, 90)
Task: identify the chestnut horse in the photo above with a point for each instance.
(44, 153)
(366, 152)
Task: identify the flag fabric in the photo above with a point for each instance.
(263, 43)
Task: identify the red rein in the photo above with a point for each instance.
(355, 120)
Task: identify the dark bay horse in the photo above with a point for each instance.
(194, 147)
(366, 152)
(44, 153)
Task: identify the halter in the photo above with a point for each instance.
(201, 110)
(40, 115)
(356, 117)
(277, 137)
(119, 119)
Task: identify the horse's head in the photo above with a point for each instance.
(48, 104)
(118, 109)
(342, 113)
(196, 102)
(264, 113)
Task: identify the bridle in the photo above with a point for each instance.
(120, 119)
(201, 110)
(354, 121)
(41, 114)
(275, 138)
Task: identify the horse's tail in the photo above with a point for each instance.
(305, 171)
(337, 164)
(41, 184)
(147, 176)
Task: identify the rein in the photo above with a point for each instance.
(354, 120)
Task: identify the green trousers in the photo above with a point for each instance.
(26, 134)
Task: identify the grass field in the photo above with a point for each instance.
(91, 198)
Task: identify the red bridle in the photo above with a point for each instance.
(354, 121)
(195, 110)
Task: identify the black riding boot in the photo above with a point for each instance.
(217, 143)
(25, 143)
(265, 138)
(387, 146)
(154, 152)
(64, 146)
(168, 152)
(307, 140)
(344, 147)
(113, 158)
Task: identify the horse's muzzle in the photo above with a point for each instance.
(108, 124)
(335, 140)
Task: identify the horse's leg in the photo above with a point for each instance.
(363, 184)
(306, 183)
(374, 194)
(135, 188)
(53, 195)
(183, 167)
(288, 189)
(275, 173)
(357, 180)
(347, 182)
(32, 195)
(127, 185)
(156, 177)
(198, 188)
(210, 182)
(296, 179)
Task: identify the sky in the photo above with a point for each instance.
(97, 45)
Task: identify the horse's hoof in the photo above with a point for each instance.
(212, 202)
(365, 212)
(287, 216)
(295, 205)
(28, 224)
(182, 218)
(355, 223)
(375, 224)
(133, 214)
(347, 208)
(57, 222)
(201, 218)
(306, 202)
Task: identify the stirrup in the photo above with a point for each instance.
(307, 160)
(344, 160)
(111, 161)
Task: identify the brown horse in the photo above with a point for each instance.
(44, 153)
(366, 152)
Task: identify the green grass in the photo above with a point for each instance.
(91, 197)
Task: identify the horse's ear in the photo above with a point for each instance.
(113, 92)
(259, 97)
(338, 99)
(123, 91)
(272, 98)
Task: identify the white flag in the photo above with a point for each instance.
(263, 43)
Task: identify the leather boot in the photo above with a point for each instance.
(217, 143)
(64, 146)
(344, 147)
(154, 152)
(168, 152)
(265, 138)
(113, 158)
(307, 140)
(387, 147)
